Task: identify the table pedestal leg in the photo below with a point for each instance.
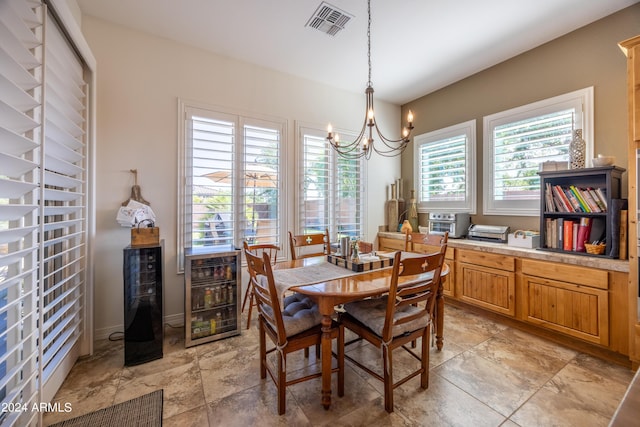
(326, 361)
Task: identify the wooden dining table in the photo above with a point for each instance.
(331, 293)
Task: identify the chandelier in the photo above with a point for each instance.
(364, 143)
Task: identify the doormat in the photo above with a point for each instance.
(145, 411)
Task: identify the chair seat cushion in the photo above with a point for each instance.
(299, 313)
(372, 313)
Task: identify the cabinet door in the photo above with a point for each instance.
(578, 311)
(211, 297)
(634, 92)
(387, 244)
(485, 287)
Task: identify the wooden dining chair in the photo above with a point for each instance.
(257, 249)
(426, 244)
(318, 242)
(292, 326)
(397, 319)
(431, 241)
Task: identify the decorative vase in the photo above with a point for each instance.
(406, 227)
(412, 210)
(392, 210)
(577, 148)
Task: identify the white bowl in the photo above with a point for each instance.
(601, 161)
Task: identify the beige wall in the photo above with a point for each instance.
(140, 79)
(586, 57)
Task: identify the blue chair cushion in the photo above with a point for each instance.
(372, 313)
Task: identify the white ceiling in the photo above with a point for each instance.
(417, 46)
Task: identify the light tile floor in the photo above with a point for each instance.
(487, 374)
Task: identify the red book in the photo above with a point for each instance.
(563, 198)
(567, 236)
(584, 231)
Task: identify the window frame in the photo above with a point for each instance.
(302, 130)
(582, 99)
(240, 120)
(467, 128)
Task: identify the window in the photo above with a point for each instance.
(232, 179)
(332, 188)
(517, 141)
(445, 169)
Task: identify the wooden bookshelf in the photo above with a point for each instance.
(558, 210)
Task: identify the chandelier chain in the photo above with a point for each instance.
(364, 143)
(369, 83)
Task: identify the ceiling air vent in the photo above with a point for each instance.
(329, 19)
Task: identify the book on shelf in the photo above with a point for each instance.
(548, 198)
(586, 195)
(575, 204)
(567, 235)
(583, 234)
(624, 217)
(565, 205)
(601, 192)
(617, 206)
(551, 235)
(596, 198)
(583, 204)
(560, 233)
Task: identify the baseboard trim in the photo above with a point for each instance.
(173, 320)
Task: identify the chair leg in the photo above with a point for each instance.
(263, 351)
(387, 356)
(282, 384)
(246, 295)
(251, 304)
(340, 345)
(424, 376)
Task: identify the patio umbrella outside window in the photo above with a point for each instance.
(256, 176)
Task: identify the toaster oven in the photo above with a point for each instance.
(457, 224)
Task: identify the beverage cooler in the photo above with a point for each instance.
(143, 327)
(212, 294)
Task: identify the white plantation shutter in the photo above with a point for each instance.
(232, 179)
(314, 210)
(445, 162)
(209, 201)
(43, 220)
(332, 189)
(64, 201)
(518, 141)
(261, 182)
(20, 141)
(519, 149)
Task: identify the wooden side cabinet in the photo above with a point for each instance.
(569, 299)
(631, 49)
(486, 280)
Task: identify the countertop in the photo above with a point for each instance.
(504, 249)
